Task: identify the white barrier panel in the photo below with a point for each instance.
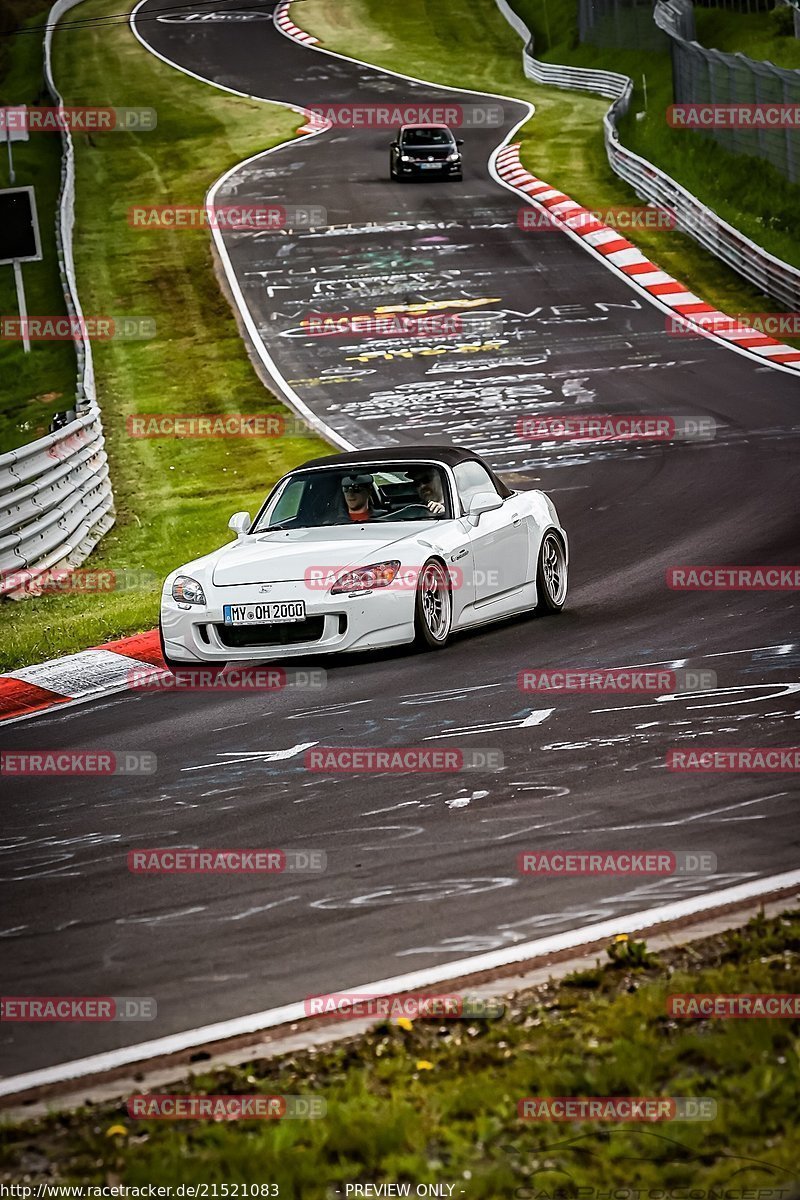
(769, 274)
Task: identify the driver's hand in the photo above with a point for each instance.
(435, 506)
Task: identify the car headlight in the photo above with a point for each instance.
(188, 591)
(405, 158)
(364, 579)
(453, 157)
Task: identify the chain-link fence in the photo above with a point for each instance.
(620, 24)
(703, 77)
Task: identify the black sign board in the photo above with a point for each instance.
(19, 226)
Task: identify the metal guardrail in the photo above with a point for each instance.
(769, 274)
(55, 493)
(55, 503)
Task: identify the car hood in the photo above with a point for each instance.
(286, 555)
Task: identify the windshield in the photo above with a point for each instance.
(355, 495)
(427, 137)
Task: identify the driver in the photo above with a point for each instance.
(429, 488)
(358, 492)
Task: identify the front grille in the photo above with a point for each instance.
(239, 637)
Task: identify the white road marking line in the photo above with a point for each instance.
(234, 757)
(373, 812)
(636, 922)
(787, 689)
(701, 816)
(533, 718)
(480, 687)
(261, 908)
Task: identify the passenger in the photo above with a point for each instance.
(358, 493)
(429, 488)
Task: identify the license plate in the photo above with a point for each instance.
(271, 613)
(431, 166)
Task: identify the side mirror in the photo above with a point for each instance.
(483, 502)
(240, 523)
(393, 145)
(459, 141)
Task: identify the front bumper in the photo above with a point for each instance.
(433, 170)
(334, 624)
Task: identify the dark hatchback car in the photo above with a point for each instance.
(422, 150)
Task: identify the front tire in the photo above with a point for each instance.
(433, 607)
(551, 575)
(175, 666)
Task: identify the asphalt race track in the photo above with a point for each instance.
(421, 869)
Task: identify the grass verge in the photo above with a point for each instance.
(436, 1101)
(173, 497)
(473, 46)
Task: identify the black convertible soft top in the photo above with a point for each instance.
(449, 455)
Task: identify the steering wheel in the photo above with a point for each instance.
(421, 507)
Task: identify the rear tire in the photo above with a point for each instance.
(551, 575)
(433, 607)
(175, 666)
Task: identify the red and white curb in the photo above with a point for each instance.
(77, 677)
(625, 258)
(287, 26)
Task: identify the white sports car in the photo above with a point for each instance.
(367, 549)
